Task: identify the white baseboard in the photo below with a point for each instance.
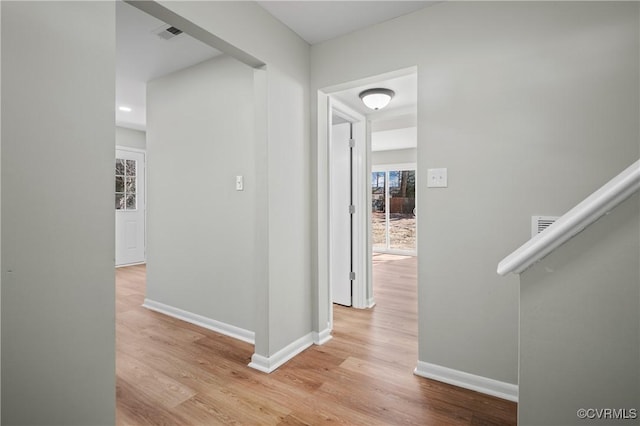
(322, 337)
(269, 364)
(371, 303)
(199, 320)
(131, 264)
(480, 384)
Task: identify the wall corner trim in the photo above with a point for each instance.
(201, 321)
(320, 338)
(270, 364)
(480, 384)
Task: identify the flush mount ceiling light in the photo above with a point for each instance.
(376, 98)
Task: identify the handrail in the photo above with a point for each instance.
(575, 220)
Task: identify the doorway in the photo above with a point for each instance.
(400, 119)
(347, 206)
(130, 207)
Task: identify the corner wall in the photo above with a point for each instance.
(285, 293)
(529, 105)
(289, 270)
(58, 307)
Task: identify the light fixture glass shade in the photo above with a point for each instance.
(376, 98)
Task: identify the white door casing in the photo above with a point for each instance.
(361, 296)
(130, 203)
(362, 288)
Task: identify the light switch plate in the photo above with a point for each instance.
(239, 183)
(436, 178)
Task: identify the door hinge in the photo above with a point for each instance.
(352, 209)
(352, 276)
(352, 143)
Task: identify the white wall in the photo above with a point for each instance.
(282, 93)
(529, 105)
(579, 325)
(130, 138)
(394, 156)
(288, 179)
(400, 138)
(200, 229)
(58, 331)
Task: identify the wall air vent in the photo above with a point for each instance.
(540, 223)
(167, 32)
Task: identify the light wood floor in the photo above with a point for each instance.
(172, 372)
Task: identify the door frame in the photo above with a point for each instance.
(323, 310)
(359, 232)
(144, 213)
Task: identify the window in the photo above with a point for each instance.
(126, 184)
(379, 207)
(393, 220)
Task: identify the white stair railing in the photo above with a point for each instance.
(575, 220)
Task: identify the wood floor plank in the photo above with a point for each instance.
(136, 408)
(173, 373)
(224, 406)
(152, 383)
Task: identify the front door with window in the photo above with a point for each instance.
(130, 207)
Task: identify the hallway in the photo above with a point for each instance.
(172, 372)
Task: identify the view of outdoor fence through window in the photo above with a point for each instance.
(125, 184)
(393, 194)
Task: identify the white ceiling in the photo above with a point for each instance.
(394, 126)
(406, 96)
(318, 21)
(142, 55)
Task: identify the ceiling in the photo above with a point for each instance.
(318, 21)
(394, 126)
(142, 55)
(406, 96)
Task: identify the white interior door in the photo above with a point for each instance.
(340, 218)
(130, 206)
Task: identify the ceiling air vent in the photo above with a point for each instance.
(540, 223)
(167, 32)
